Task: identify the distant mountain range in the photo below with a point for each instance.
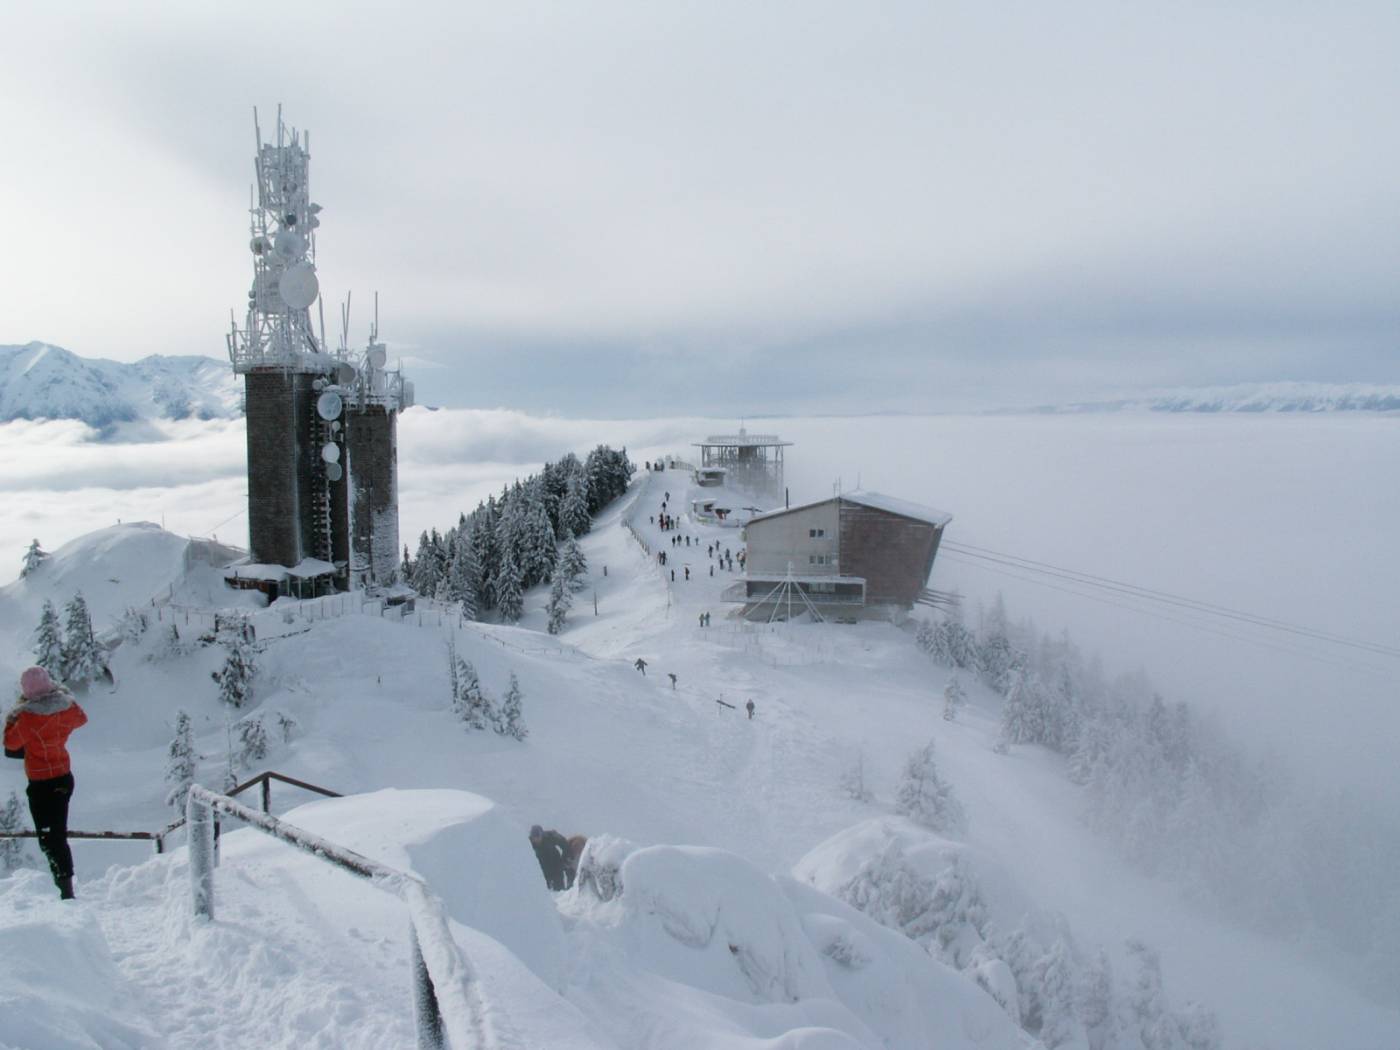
(1244, 397)
(40, 381)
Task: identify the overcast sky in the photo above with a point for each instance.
(649, 208)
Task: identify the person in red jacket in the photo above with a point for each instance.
(36, 729)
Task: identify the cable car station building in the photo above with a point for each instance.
(859, 555)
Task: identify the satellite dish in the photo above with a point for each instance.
(329, 405)
(260, 245)
(299, 286)
(333, 471)
(330, 452)
(288, 244)
(377, 356)
(344, 374)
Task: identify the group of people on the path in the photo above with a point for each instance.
(37, 729)
(641, 665)
(558, 856)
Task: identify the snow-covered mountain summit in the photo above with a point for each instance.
(1248, 397)
(40, 381)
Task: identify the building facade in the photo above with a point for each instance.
(860, 555)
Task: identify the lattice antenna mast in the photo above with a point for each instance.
(278, 331)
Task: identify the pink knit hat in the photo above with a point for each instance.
(35, 681)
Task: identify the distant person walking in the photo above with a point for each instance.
(641, 665)
(672, 677)
(749, 708)
(36, 730)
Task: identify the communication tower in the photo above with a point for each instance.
(320, 422)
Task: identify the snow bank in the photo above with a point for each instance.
(697, 947)
(59, 987)
(469, 853)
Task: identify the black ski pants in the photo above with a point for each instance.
(48, 804)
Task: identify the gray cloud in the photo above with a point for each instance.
(868, 206)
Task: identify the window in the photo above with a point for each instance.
(813, 534)
(821, 559)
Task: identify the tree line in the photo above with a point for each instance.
(1183, 801)
(510, 543)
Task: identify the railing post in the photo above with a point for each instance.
(199, 820)
(267, 794)
(427, 1017)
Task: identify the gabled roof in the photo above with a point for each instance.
(874, 500)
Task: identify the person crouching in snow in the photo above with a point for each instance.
(552, 851)
(36, 730)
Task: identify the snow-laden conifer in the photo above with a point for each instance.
(252, 740)
(926, 797)
(1098, 1004)
(48, 641)
(235, 678)
(34, 557)
(537, 549)
(853, 780)
(510, 598)
(472, 705)
(559, 602)
(82, 658)
(1060, 1026)
(180, 762)
(572, 564)
(512, 721)
(11, 821)
(953, 698)
(573, 511)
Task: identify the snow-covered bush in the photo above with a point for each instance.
(926, 797)
(12, 852)
(511, 722)
(559, 602)
(180, 762)
(48, 641)
(600, 866)
(235, 678)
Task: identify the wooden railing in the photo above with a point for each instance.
(449, 1011)
(263, 780)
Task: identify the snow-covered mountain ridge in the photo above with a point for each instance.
(1244, 397)
(40, 381)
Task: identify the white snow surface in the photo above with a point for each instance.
(730, 834)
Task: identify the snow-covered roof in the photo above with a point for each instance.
(306, 568)
(742, 440)
(875, 500)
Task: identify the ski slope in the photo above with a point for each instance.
(732, 833)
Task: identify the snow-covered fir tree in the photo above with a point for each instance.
(512, 723)
(235, 678)
(464, 576)
(537, 548)
(180, 762)
(472, 705)
(853, 780)
(82, 658)
(252, 740)
(34, 557)
(1060, 1026)
(953, 698)
(11, 821)
(573, 512)
(1147, 1001)
(572, 564)
(1098, 1004)
(510, 598)
(560, 601)
(926, 797)
(48, 641)
(996, 656)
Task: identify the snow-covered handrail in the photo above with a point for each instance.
(449, 1011)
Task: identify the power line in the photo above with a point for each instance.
(1292, 650)
(1163, 597)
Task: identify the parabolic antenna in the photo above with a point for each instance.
(344, 374)
(298, 285)
(329, 405)
(330, 452)
(333, 472)
(377, 356)
(288, 244)
(260, 245)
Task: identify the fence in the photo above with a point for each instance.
(263, 780)
(448, 1008)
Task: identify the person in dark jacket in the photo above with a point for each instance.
(552, 851)
(36, 730)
